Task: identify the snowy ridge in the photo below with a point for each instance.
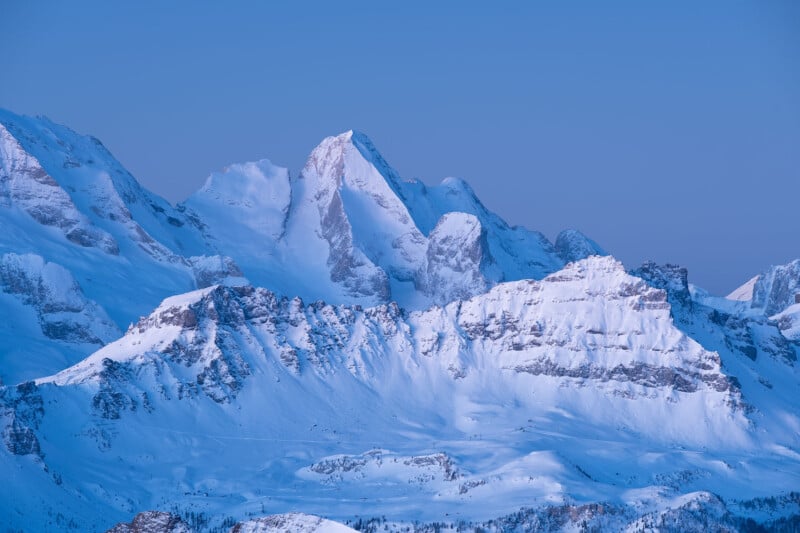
(744, 293)
(589, 354)
(626, 344)
(28, 186)
(92, 189)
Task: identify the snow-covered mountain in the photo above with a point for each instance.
(343, 343)
(534, 393)
(361, 234)
(364, 235)
(65, 199)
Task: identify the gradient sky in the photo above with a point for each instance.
(664, 130)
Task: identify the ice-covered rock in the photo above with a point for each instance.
(71, 182)
(456, 259)
(215, 270)
(64, 312)
(65, 320)
(25, 185)
(777, 288)
(788, 321)
(349, 195)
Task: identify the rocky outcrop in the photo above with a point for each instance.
(64, 312)
(27, 186)
(456, 260)
(747, 335)
(549, 328)
(370, 234)
(153, 522)
(215, 270)
(290, 523)
(436, 467)
(788, 321)
(777, 288)
(673, 279)
(21, 410)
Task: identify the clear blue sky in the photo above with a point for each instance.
(664, 130)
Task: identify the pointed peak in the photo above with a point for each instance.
(354, 138)
(333, 153)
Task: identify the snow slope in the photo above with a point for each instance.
(535, 393)
(745, 292)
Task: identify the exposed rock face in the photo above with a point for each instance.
(518, 252)
(153, 522)
(28, 186)
(351, 468)
(673, 279)
(549, 328)
(350, 186)
(73, 183)
(572, 245)
(21, 410)
(788, 321)
(776, 288)
(360, 231)
(290, 523)
(215, 270)
(456, 259)
(744, 335)
(65, 314)
(20, 439)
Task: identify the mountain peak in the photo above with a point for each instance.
(572, 245)
(332, 151)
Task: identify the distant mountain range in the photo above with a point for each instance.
(343, 343)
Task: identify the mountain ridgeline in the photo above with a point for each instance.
(342, 343)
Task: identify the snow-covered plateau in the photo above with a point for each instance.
(340, 349)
